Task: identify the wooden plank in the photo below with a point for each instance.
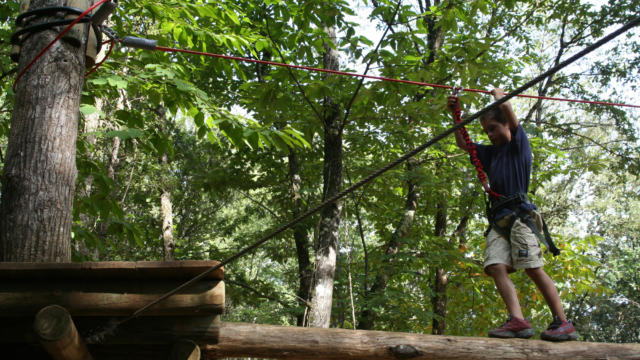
(139, 331)
(111, 297)
(152, 330)
(280, 342)
(185, 270)
(58, 334)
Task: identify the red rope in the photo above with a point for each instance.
(62, 33)
(471, 148)
(382, 78)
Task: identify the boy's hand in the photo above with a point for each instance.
(497, 93)
(452, 103)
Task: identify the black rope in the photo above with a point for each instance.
(17, 37)
(376, 174)
(49, 11)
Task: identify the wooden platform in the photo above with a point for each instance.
(145, 270)
(110, 288)
(95, 294)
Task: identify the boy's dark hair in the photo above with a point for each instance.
(495, 114)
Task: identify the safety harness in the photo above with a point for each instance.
(513, 202)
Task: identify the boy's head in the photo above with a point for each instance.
(495, 126)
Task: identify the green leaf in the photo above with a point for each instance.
(87, 109)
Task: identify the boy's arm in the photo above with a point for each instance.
(507, 110)
(451, 104)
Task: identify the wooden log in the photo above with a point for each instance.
(58, 334)
(146, 270)
(111, 297)
(279, 342)
(185, 350)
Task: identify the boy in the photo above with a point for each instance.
(511, 242)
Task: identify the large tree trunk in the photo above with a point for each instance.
(39, 177)
(300, 236)
(325, 264)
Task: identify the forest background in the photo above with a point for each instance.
(187, 157)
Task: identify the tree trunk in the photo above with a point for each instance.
(325, 264)
(39, 176)
(367, 317)
(439, 300)
(167, 218)
(300, 236)
(92, 123)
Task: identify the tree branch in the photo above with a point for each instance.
(259, 203)
(355, 93)
(293, 76)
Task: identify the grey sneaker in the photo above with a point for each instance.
(513, 328)
(559, 330)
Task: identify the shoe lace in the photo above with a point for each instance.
(507, 321)
(555, 324)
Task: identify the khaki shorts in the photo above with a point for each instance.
(523, 252)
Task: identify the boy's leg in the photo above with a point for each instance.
(505, 287)
(498, 265)
(560, 329)
(516, 325)
(548, 290)
(527, 255)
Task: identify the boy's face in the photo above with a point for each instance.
(497, 132)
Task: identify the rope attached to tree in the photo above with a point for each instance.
(82, 17)
(471, 148)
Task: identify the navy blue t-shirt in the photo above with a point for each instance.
(508, 167)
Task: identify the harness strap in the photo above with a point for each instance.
(546, 239)
(512, 202)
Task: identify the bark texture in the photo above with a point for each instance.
(325, 264)
(38, 182)
(166, 206)
(300, 236)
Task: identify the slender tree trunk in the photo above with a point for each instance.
(92, 124)
(167, 218)
(325, 264)
(367, 316)
(439, 300)
(440, 283)
(300, 235)
(114, 160)
(38, 182)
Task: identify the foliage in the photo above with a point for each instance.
(229, 127)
